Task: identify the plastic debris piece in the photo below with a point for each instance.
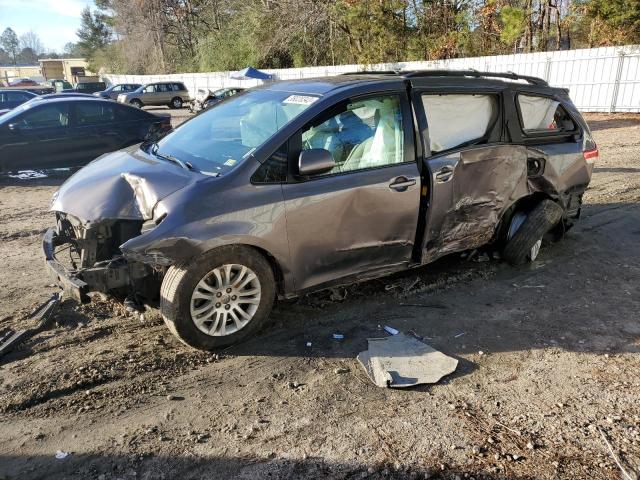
(459, 335)
(308, 344)
(338, 336)
(60, 455)
(402, 361)
(391, 330)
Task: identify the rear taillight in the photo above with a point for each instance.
(591, 154)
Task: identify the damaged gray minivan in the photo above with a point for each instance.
(298, 185)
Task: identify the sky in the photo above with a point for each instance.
(55, 21)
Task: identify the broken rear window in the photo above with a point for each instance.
(543, 114)
(456, 120)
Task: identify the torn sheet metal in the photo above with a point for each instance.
(402, 361)
(123, 185)
(43, 314)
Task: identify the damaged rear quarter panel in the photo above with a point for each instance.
(465, 210)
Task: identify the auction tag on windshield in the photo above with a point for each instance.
(300, 99)
(230, 163)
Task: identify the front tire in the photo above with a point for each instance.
(136, 103)
(527, 229)
(219, 298)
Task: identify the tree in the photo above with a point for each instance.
(4, 57)
(94, 33)
(611, 22)
(513, 21)
(10, 44)
(71, 50)
(31, 41)
(28, 56)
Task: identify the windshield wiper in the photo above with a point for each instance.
(171, 158)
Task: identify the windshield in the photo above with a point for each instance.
(223, 136)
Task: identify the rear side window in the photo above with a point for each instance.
(455, 120)
(178, 86)
(543, 114)
(90, 113)
(124, 113)
(17, 97)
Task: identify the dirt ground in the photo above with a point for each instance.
(548, 358)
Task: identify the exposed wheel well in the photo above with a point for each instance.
(522, 204)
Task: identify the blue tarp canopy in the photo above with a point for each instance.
(249, 73)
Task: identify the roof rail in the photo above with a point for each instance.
(374, 72)
(473, 73)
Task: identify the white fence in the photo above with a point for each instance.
(599, 79)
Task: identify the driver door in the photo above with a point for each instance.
(362, 215)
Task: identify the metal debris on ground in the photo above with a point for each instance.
(391, 330)
(402, 361)
(60, 455)
(459, 335)
(338, 336)
(337, 294)
(44, 314)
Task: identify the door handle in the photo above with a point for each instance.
(402, 183)
(444, 174)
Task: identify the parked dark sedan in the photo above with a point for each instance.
(12, 98)
(72, 131)
(113, 91)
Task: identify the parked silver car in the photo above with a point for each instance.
(172, 94)
(298, 185)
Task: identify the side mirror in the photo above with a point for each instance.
(315, 161)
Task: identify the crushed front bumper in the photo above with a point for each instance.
(106, 276)
(71, 284)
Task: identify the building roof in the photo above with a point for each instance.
(62, 59)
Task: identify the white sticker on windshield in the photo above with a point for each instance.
(230, 163)
(300, 99)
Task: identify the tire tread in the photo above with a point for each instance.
(544, 216)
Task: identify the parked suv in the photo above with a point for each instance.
(173, 94)
(298, 185)
(113, 91)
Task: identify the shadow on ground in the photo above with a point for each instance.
(613, 121)
(147, 467)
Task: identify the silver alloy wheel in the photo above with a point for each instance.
(225, 300)
(516, 222)
(177, 102)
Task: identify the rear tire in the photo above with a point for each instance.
(183, 283)
(176, 103)
(524, 244)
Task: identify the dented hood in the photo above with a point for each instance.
(122, 185)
